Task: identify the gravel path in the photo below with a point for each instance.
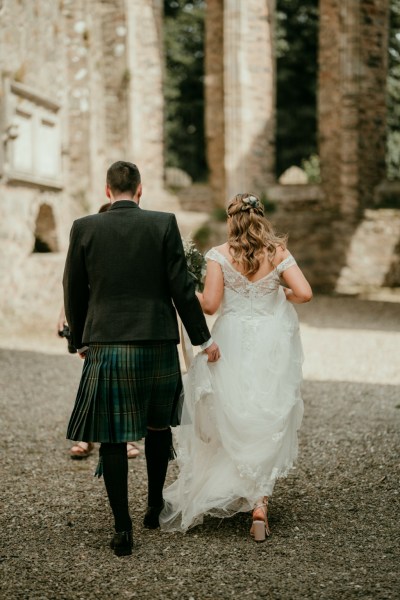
(334, 520)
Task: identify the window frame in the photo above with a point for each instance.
(21, 101)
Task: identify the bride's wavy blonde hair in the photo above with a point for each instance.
(250, 233)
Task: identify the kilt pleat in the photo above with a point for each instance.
(123, 389)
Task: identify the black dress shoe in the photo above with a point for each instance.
(122, 543)
(151, 520)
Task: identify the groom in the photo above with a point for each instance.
(125, 275)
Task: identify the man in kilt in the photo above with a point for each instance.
(125, 274)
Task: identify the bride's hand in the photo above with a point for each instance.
(213, 352)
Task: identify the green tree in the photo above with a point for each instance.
(297, 46)
(184, 86)
(393, 90)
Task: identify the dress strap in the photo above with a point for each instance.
(285, 264)
(213, 254)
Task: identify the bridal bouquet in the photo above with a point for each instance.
(196, 263)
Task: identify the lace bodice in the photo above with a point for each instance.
(239, 283)
(250, 298)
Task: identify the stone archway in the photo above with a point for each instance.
(45, 231)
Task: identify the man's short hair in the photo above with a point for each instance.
(122, 177)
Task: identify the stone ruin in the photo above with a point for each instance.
(81, 85)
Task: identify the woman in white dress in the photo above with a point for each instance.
(241, 414)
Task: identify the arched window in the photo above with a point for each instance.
(45, 230)
(296, 108)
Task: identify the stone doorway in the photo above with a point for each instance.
(45, 231)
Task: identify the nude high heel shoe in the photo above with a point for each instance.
(260, 528)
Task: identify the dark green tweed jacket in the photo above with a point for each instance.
(125, 271)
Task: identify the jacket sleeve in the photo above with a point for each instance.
(76, 288)
(182, 288)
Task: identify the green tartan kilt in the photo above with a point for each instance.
(123, 389)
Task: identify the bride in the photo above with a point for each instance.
(239, 425)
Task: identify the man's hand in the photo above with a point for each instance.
(61, 321)
(82, 352)
(213, 352)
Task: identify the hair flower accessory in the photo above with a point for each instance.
(250, 201)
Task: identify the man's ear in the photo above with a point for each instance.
(108, 191)
(139, 191)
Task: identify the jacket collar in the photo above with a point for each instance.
(123, 204)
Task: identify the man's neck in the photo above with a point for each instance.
(123, 197)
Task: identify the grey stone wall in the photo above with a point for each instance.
(337, 253)
(353, 49)
(35, 57)
(100, 64)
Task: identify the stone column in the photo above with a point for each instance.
(79, 40)
(146, 95)
(374, 37)
(245, 72)
(352, 76)
(214, 98)
(116, 79)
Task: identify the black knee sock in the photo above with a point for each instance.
(158, 450)
(115, 472)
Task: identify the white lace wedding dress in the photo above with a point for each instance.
(241, 414)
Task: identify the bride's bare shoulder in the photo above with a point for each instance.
(223, 249)
(281, 252)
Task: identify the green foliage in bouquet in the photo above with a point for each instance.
(196, 263)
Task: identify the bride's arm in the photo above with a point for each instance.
(298, 290)
(211, 297)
